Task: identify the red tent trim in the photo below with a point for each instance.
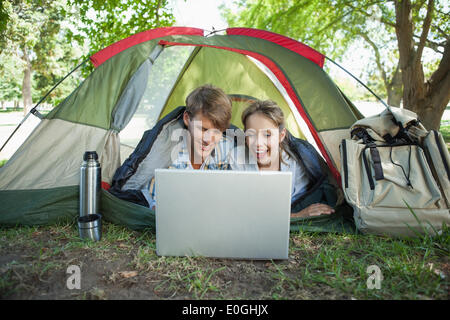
(288, 43)
(105, 185)
(110, 51)
(285, 83)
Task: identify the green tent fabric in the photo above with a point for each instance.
(140, 79)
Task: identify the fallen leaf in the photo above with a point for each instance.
(128, 274)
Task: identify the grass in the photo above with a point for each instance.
(10, 110)
(320, 266)
(445, 131)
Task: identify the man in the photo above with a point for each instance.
(203, 147)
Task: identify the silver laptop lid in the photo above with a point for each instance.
(224, 214)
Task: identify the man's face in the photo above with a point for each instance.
(204, 136)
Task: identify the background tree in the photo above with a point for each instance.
(3, 18)
(104, 22)
(427, 97)
(33, 34)
(10, 84)
(47, 38)
(333, 26)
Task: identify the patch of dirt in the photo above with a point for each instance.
(40, 271)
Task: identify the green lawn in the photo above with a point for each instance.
(445, 131)
(124, 264)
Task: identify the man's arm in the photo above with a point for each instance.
(152, 193)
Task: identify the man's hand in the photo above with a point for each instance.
(315, 209)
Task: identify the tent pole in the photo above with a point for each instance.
(36, 112)
(360, 82)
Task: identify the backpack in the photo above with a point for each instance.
(395, 175)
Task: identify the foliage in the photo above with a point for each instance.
(3, 162)
(333, 26)
(445, 131)
(57, 35)
(105, 22)
(34, 39)
(3, 19)
(10, 84)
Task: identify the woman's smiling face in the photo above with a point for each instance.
(263, 138)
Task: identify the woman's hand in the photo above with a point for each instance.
(315, 209)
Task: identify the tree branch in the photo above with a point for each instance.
(432, 45)
(333, 22)
(443, 70)
(418, 5)
(382, 19)
(377, 56)
(443, 33)
(404, 30)
(157, 14)
(395, 76)
(425, 30)
(439, 83)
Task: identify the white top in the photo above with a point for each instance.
(299, 179)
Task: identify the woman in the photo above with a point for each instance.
(268, 142)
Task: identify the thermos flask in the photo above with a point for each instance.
(90, 184)
(89, 221)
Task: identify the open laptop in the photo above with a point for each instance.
(223, 214)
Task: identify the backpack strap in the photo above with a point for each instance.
(441, 153)
(369, 174)
(362, 133)
(376, 161)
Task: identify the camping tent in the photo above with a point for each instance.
(142, 78)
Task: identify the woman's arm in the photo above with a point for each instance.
(315, 209)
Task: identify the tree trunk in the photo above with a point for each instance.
(394, 86)
(3, 105)
(395, 90)
(157, 14)
(431, 99)
(394, 97)
(26, 84)
(428, 99)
